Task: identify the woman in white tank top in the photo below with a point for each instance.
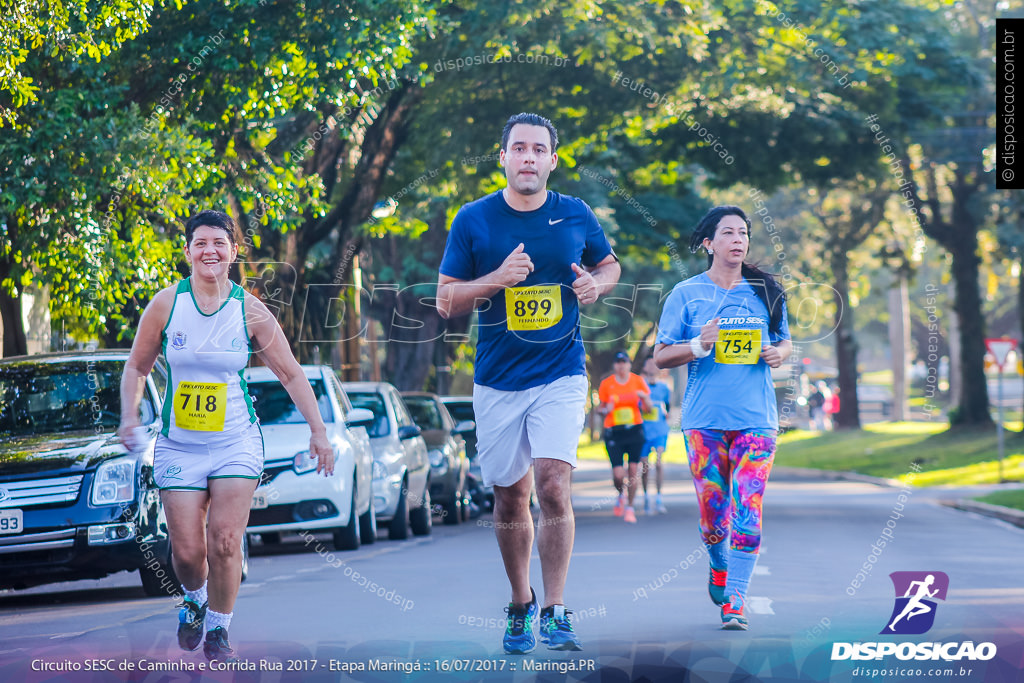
(209, 454)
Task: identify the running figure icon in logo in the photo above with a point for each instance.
(913, 590)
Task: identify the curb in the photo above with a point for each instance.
(1009, 515)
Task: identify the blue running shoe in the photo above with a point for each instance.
(556, 629)
(216, 648)
(733, 618)
(190, 624)
(519, 638)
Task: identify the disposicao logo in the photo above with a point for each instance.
(912, 614)
(916, 592)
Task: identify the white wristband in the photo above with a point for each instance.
(698, 348)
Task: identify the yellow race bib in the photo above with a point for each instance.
(622, 416)
(200, 406)
(533, 308)
(738, 347)
(652, 415)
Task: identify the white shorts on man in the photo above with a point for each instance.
(514, 427)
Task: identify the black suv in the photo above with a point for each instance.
(74, 503)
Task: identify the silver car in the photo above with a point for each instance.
(401, 468)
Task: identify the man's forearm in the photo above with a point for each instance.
(460, 298)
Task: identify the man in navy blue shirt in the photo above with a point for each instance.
(527, 258)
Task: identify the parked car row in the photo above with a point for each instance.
(290, 495)
(74, 503)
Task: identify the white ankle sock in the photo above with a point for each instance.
(215, 619)
(197, 596)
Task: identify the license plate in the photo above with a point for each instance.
(10, 522)
(259, 501)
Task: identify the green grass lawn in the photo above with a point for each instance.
(892, 449)
(1010, 499)
(888, 449)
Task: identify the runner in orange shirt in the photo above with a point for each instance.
(623, 396)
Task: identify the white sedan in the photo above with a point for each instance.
(291, 496)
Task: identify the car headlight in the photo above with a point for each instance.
(114, 482)
(379, 471)
(439, 459)
(304, 462)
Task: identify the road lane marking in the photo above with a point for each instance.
(759, 605)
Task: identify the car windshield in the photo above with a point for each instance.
(424, 412)
(373, 402)
(39, 398)
(460, 410)
(275, 407)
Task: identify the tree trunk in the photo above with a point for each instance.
(442, 369)
(414, 332)
(973, 406)
(411, 335)
(15, 342)
(303, 315)
(959, 236)
(291, 281)
(848, 416)
(899, 341)
(954, 371)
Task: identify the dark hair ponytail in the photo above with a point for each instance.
(767, 289)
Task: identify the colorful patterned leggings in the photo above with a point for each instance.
(730, 469)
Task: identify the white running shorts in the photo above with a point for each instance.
(515, 427)
(189, 466)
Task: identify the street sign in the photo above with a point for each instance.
(1000, 348)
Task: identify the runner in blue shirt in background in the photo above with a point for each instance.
(656, 433)
(527, 258)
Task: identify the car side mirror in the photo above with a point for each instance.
(360, 417)
(464, 427)
(408, 432)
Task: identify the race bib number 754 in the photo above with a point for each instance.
(200, 406)
(738, 347)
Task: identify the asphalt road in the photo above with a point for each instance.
(638, 593)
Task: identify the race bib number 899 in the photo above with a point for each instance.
(200, 406)
(738, 347)
(533, 308)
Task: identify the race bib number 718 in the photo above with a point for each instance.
(200, 406)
